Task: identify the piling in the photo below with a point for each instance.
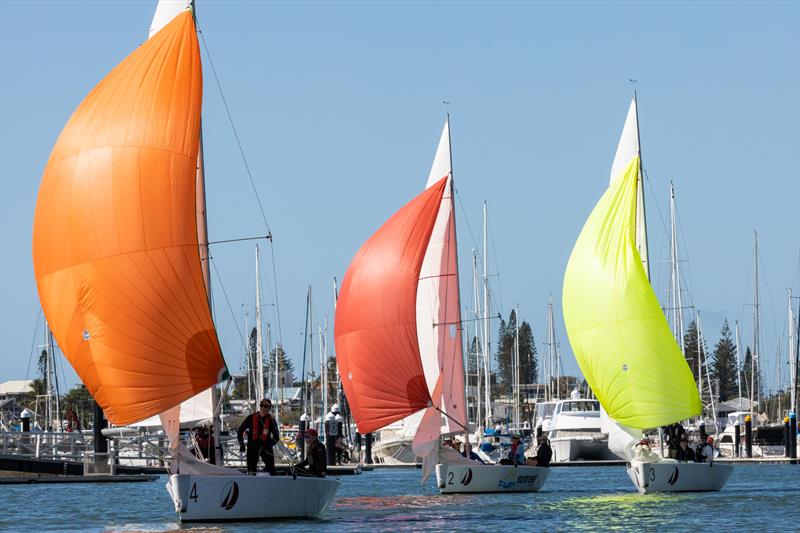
(748, 436)
(787, 439)
(302, 433)
(339, 419)
(98, 425)
(25, 417)
(330, 438)
(368, 449)
(737, 439)
(793, 435)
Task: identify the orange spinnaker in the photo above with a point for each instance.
(377, 349)
(115, 245)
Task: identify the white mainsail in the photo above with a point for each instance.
(166, 10)
(627, 149)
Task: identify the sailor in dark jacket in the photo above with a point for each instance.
(543, 454)
(262, 435)
(316, 462)
(685, 453)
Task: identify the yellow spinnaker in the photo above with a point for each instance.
(615, 325)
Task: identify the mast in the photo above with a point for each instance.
(323, 374)
(476, 304)
(516, 372)
(792, 352)
(259, 343)
(676, 300)
(458, 282)
(338, 378)
(486, 368)
(703, 362)
(305, 347)
(738, 365)
(755, 389)
(551, 346)
(641, 214)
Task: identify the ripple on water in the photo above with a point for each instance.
(575, 499)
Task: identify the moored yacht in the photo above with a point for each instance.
(575, 431)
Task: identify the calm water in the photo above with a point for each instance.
(756, 498)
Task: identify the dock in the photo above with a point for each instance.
(34, 479)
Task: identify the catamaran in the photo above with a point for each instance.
(120, 253)
(620, 336)
(398, 336)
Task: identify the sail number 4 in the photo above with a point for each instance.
(193, 493)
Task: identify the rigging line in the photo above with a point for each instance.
(256, 238)
(664, 230)
(233, 127)
(275, 286)
(769, 295)
(499, 299)
(685, 271)
(466, 221)
(227, 300)
(33, 341)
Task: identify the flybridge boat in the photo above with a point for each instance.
(576, 433)
(398, 337)
(119, 240)
(620, 336)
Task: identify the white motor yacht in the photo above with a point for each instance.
(575, 431)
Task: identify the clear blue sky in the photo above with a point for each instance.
(339, 108)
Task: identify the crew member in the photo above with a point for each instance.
(316, 461)
(516, 455)
(685, 453)
(544, 453)
(262, 435)
(673, 435)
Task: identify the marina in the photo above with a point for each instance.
(400, 386)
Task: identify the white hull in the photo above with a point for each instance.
(395, 452)
(582, 449)
(249, 497)
(679, 477)
(490, 478)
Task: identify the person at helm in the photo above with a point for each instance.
(316, 461)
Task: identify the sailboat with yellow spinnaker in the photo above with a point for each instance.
(619, 334)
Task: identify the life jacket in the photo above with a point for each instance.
(259, 432)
